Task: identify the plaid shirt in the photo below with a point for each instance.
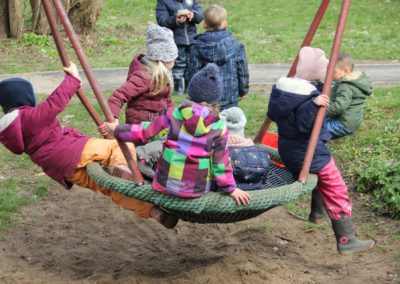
(195, 153)
(222, 48)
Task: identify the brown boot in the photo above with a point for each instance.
(163, 217)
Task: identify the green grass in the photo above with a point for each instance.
(272, 31)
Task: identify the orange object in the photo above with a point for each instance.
(270, 139)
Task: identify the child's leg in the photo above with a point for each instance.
(178, 71)
(107, 152)
(336, 129)
(333, 191)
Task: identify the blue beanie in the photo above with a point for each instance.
(206, 85)
(16, 92)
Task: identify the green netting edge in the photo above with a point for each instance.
(221, 206)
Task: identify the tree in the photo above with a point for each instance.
(82, 13)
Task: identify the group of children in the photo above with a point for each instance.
(194, 152)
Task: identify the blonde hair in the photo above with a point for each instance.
(212, 106)
(345, 60)
(215, 17)
(159, 75)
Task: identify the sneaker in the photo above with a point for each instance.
(164, 218)
(121, 171)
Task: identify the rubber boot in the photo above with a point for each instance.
(317, 208)
(346, 241)
(179, 87)
(163, 217)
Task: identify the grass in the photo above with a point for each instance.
(271, 33)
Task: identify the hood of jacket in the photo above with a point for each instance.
(197, 119)
(360, 81)
(11, 132)
(216, 46)
(288, 94)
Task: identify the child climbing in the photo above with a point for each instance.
(250, 163)
(195, 154)
(347, 99)
(147, 88)
(293, 106)
(62, 152)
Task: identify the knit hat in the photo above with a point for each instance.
(16, 92)
(206, 85)
(235, 120)
(312, 65)
(160, 44)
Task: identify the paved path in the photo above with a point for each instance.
(260, 74)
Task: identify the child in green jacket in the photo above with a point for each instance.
(347, 99)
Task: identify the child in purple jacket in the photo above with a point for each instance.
(195, 154)
(62, 152)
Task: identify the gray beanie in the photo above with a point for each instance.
(160, 44)
(235, 120)
(206, 85)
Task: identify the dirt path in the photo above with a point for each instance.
(80, 237)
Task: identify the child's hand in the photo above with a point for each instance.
(322, 100)
(108, 128)
(240, 196)
(72, 70)
(190, 16)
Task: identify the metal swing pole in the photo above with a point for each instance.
(137, 176)
(326, 90)
(65, 62)
(306, 42)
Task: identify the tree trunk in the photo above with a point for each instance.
(83, 14)
(4, 22)
(15, 16)
(39, 21)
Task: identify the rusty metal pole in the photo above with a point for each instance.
(307, 41)
(310, 34)
(65, 61)
(326, 90)
(137, 176)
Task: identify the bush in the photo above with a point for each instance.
(382, 179)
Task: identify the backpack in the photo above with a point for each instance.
(250, 166)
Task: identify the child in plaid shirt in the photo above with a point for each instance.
(195, 154)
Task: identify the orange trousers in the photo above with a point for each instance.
(107, 153)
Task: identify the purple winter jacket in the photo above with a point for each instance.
(37, 132)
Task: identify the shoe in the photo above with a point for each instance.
(121, 171)
(346, 241)
(164, 218)
(317, 208)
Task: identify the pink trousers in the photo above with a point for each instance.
(333, 191)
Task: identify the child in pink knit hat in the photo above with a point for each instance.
(293, 105)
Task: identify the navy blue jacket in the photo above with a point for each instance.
(294, 115)
(166, 17)
(222, 48)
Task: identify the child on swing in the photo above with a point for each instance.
(293, 106)
(148, 86)
(195, 154)
(62, 152)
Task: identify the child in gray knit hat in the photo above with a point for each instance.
(236, 121)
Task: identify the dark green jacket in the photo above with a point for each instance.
(347, 100)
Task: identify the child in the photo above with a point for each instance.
(346, 107)
(62, 152)
(147, 90)
(181, 16)
(293, 106)
(219, 46)
(195, 153)
(250, 163)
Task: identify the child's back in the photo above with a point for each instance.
(219, 46)
(348, 95)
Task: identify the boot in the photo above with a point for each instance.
(163, 217)
(179, 87)
(317, 208)
(346, 241)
